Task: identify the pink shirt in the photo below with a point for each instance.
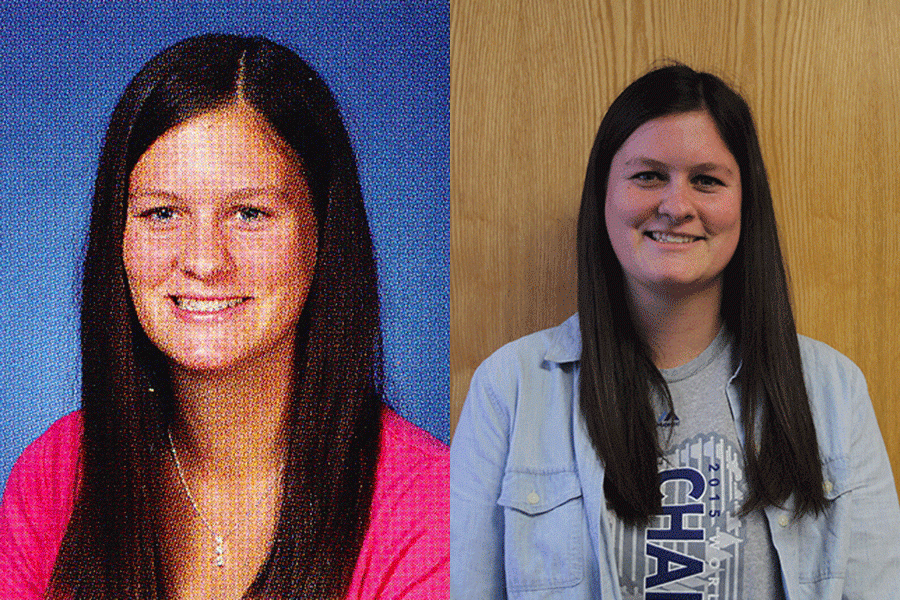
(405, 555)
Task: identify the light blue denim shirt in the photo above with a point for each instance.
(528, 518)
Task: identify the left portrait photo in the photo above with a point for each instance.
(225, 322)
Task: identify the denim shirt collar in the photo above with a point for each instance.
(565, 346)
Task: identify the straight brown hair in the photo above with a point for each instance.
(111, 548)
(617, 371)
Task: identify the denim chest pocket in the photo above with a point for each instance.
(544, 530)
(824, 540)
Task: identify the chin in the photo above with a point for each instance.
(680, 286)
(209, 361)
(206, 359)
(206, 365)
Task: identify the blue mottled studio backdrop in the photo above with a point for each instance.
(62, 68)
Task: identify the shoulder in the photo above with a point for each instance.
(819, 356)
(62, 436)
(846, 425)
(526, 390)
(408, 449)
(406, 551)
(560, 344)
(530, 363)
(36, 508)
(828, 373)
(54, 453)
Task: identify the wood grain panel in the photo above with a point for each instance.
(530, 81)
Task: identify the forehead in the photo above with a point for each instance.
(678, 139)
(216, 151)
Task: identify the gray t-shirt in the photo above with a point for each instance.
(700, 548)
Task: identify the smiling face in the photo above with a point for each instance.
(220, 241)
(673, 206)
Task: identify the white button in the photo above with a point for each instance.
(784, 521)
(828, 486)
(533, 498)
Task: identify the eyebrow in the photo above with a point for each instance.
(661, 166)
(237, 194)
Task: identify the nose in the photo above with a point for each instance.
(204, 252)
(676, 203)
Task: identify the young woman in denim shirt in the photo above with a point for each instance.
(676, 439)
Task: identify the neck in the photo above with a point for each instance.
(232, 422)
(678, 328)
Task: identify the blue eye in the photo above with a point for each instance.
(251, 214)
(160, 214)
(648, 177)
(707, 181)
(248, 213)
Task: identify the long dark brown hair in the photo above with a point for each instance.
(111, 547)
(617, 371)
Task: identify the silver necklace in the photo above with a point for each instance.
(218, 539)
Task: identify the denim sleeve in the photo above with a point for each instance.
(873, 565)
(477, 459)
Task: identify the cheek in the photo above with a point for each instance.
(728, 218)
(145, 262)
(628, 208)
(611, 211)
(728, 227)
(623, 214)
(285, 261)
(613, 221)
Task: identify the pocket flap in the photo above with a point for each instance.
(534, 493)
(836, 473)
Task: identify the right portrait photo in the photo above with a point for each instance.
(672, 279)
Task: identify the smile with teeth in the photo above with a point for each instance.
(671, 238)
(206, 306)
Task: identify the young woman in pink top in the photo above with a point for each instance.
(232, 440)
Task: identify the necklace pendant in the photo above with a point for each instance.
(219, 540)
(220, 551)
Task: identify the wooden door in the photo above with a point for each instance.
(530, 82)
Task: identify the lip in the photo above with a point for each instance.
(220, 308)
